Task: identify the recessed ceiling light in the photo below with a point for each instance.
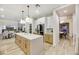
(2, 16)
(62, 21)
(65, 11)
(1, 9)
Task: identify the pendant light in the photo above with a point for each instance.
(37, 10)
(22, 19)
(28, 19)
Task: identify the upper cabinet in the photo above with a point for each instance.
(40, 21)
(49, 22)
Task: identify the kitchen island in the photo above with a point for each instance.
(31, 44)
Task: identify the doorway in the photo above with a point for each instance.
(65, 16)
(61, 28)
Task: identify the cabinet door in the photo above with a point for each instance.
(26, 47)
(50, 39)
(45, 38)
(18, 40)
(23, 43)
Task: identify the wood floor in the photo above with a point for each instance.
(9, 47)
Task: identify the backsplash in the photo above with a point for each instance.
(49, 30)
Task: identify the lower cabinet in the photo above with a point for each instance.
(30, 46)
(26, 46)
(23, 44)
(48, 38)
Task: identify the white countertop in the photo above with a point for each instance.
(51, 33)
(29, 36)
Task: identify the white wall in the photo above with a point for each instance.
(8, 23)
(49, 22)
(78, 20)
(78, 25)
(0, 29)
(55, 29)
(40, 21)
(76, 29)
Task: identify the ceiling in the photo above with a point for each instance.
(13, 11)
(66, 11)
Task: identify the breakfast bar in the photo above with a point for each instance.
(31, 44)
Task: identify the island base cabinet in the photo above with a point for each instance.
(26, 47)
(36, 47)
(30, 47)
(23, 44)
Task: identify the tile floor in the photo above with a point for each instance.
(9, 47)
(65, 47)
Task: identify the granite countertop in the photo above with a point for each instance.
(29, 36)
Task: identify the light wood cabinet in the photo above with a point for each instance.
(48, 38)
(23, 44)
(30, 44)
